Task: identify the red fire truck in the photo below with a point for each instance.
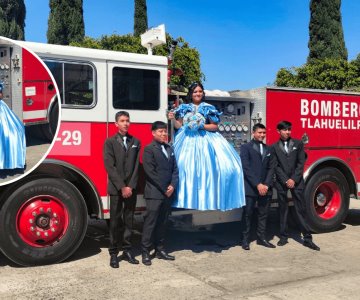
(28, 88)
(43, 217)
(329, 124)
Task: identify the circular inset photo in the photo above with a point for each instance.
(29, 111)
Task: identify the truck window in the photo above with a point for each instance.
(136, 89)
(75, 82)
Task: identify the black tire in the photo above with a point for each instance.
(22, 251)
(49, 129)
(327, 200)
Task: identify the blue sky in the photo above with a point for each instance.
(242, 43)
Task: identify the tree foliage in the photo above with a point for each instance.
(325, 30)
(66, 22)
(356, 62)
(140, 17)
(186, 58)
(12, 19)
(327, 66)
(331, 74)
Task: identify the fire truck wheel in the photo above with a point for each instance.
(327, 200)
(49, 129)
(42, 222)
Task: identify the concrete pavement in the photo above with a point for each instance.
(209, 265)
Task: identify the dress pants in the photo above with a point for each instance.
(263, 206)
(299, 206)
(121, 222)
(157, 214)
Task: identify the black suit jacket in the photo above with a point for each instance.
(121, 165)
(290, 165)
(160, 171)
(257, 168)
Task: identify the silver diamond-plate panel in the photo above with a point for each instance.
(5, 73)
(258, 110)
(16, 81)
(11, 76)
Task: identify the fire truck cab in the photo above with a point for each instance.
(44, 215)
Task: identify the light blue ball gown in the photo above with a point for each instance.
(12, 139)
(210, 171)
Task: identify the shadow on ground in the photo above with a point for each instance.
(353, 217)
(215, 238)
(36, 146)
(34, 136)
(11, 172)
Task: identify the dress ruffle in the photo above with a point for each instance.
(182, 110)
(207, 110)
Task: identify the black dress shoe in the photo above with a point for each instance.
(146, 260)
(114, 263)
(245, 245)
(265, 243)
(163, 255)
(311, 245)
(128, 256)
(282, 242)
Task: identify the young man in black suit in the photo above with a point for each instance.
(258, 171)
(121, 159)
(290, 159)
(162, 177)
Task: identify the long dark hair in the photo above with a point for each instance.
(191, 89)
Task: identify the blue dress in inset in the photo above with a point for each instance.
(12, 139)
(210, 171)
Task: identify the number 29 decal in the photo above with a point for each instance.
(69, 138)
(73, 139)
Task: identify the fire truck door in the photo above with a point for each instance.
(36, 94)
(139, 90)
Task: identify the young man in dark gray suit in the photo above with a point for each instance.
(121, 159)
(257, 163)
(290, 160)
(162, 177)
